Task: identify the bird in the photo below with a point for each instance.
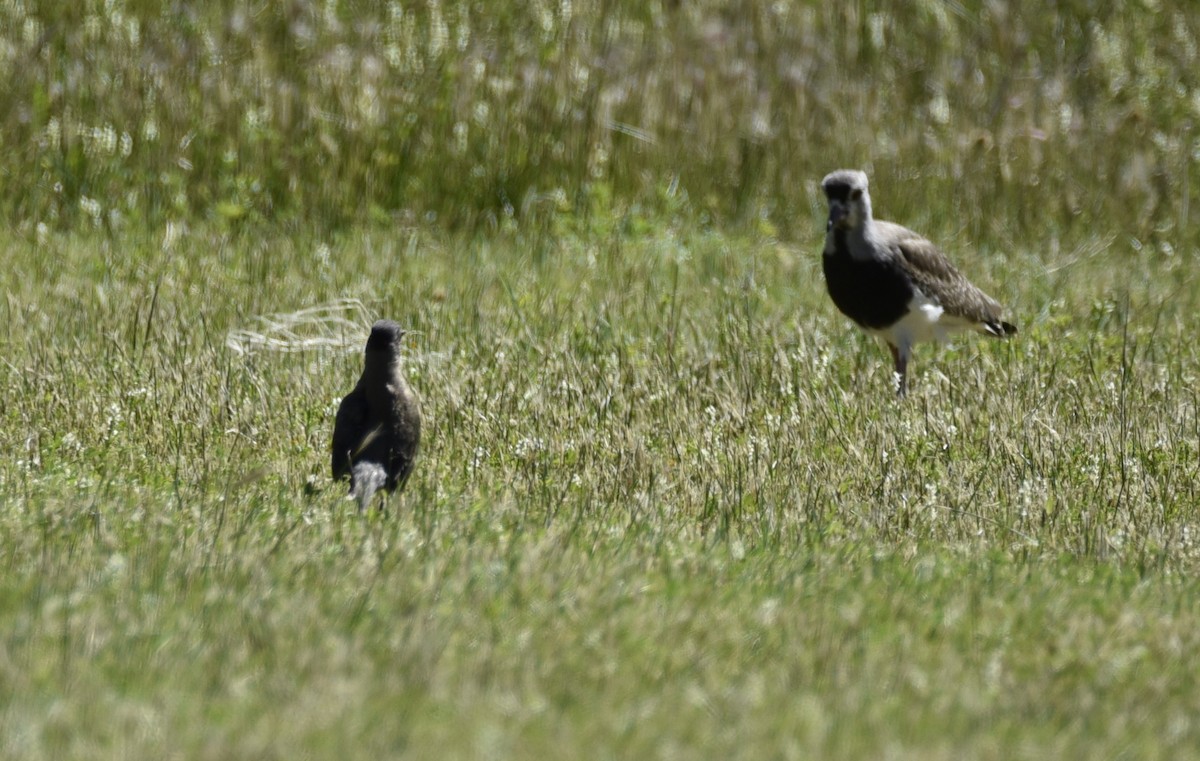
(894, 283)
(377, 430)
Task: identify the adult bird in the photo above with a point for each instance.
(377, 431)
(894, 283)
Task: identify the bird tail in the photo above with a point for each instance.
(366, 478)
(998, 328)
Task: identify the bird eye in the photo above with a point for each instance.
(855, 194)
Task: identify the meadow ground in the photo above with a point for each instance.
(667, 505)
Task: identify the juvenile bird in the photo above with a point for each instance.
(377, 431)
(894, 283)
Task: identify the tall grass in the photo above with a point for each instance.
(1071, 118)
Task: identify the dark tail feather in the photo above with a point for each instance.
(1000, 329)
(366, 478)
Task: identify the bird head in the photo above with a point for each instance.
(385, 336)
(849, 202)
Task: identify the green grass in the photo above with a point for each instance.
(125, 113)
(667, 505)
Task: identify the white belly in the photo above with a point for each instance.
(925, 321)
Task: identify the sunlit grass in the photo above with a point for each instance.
(663, 482)
(580, 113)
(667, 505)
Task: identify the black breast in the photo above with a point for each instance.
(875, 294)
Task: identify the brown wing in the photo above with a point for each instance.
(937, 278)
(405, 441)
(348, 431)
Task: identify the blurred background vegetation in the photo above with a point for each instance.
(1073, 116)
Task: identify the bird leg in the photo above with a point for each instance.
(900, 359)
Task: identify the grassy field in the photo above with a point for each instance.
(667, 505)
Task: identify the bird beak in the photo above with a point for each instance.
(837, 213)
